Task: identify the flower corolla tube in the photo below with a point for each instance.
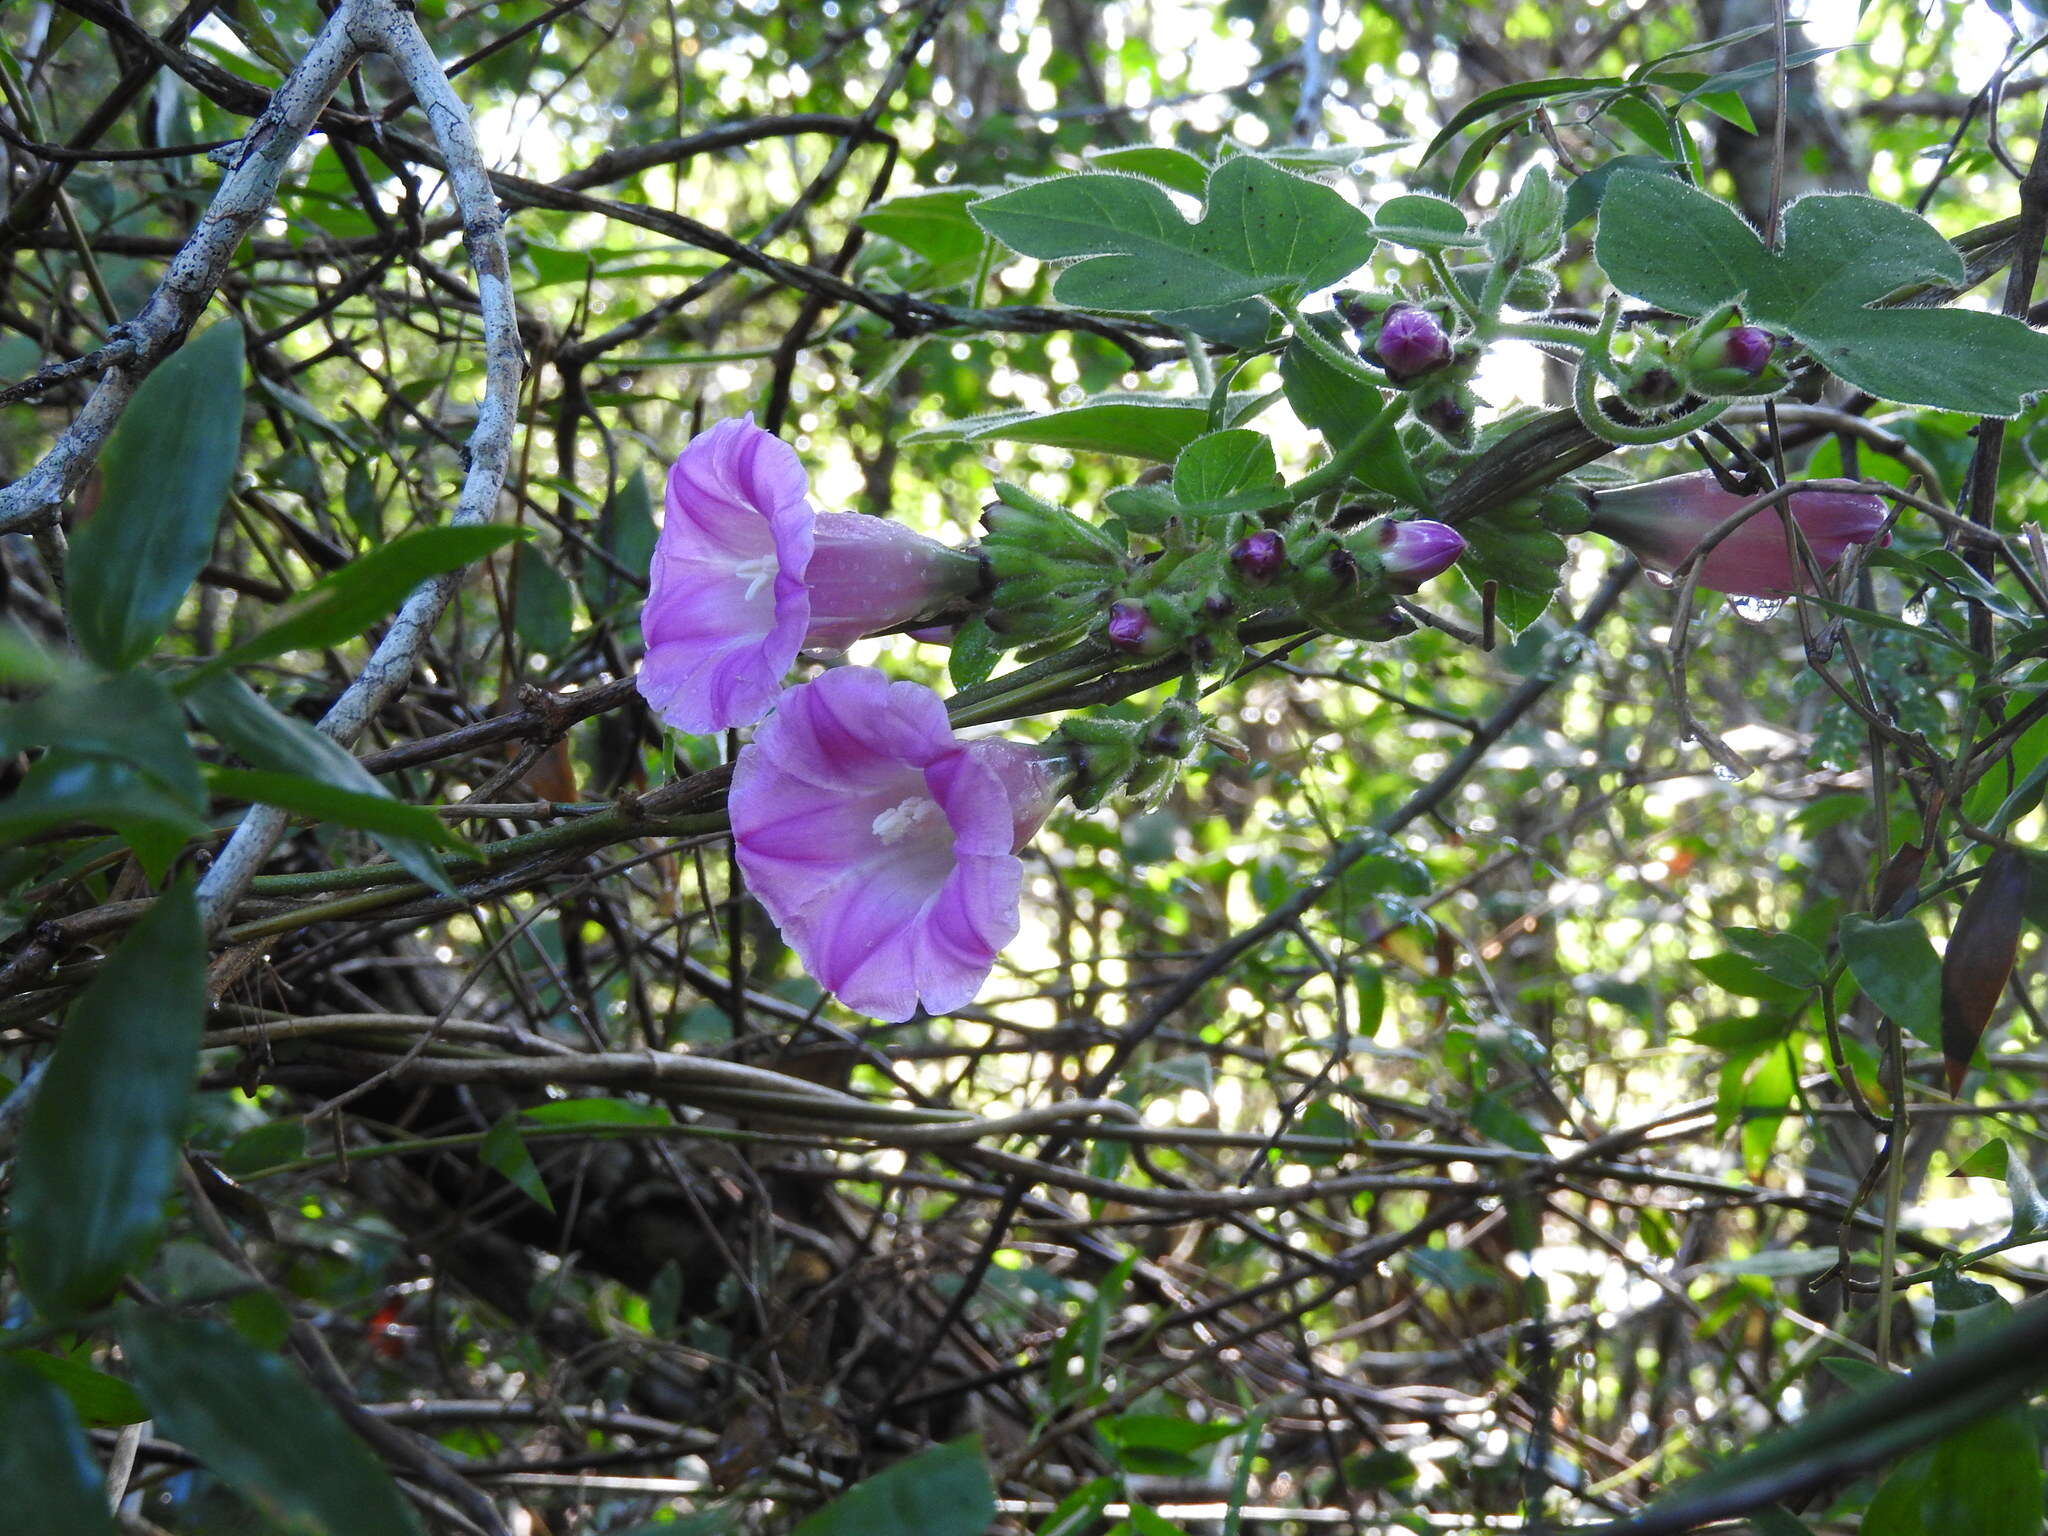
(884, 848)
(1664, 521)
(746, 574)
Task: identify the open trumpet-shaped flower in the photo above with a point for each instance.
(1664, 521)
(746, 574)
(885, 849)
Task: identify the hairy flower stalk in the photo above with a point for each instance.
(746, 574)
(1664, 521)
(885, 849)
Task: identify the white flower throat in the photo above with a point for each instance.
(758, 572)
(913, 814)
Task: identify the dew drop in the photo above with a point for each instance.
(1756, 610)
(1915, 612)
(1725, 774)
(1660, 579)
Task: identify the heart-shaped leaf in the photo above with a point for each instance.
(1262, 231)
(1674, 246)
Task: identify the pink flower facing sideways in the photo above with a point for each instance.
(884, 849)
(1664, 521)
(746, 574)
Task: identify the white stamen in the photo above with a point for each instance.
(899, 821)
(759, 571)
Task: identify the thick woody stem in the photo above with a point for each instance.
(388, 27)
(245, 194)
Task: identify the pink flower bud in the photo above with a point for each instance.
(1131, 628)
(1745, 348)
(1412, 342)
(1259, 557)
(1664, 521)
(1412, 552)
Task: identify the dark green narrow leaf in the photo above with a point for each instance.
(99, 1149)
(359, 594)
(96, 1397)
(279, 744)
(1897, 969)
(131, 716)
(504, 1149)
(943, 1490)
(166, 472)
(323, 801)
(543, 605)
(255, 1423)
(65, 788)
(53, 1485)
(627, 533)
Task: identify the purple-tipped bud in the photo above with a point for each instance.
(1664, 521)
(1744, 347)
(1218, 606)
(1412, 342)
(1448, 413)
(1412, 552)
(1736, 361)
(1129, 626)
(1259, 557)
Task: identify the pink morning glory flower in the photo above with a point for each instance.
(1663, 522)
(746, 574)
(885, 849)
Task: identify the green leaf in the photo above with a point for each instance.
(543, 604)
(55, 1486)
(1985, 1480)
(975, 653)
(264, 1146)
(944, 1490)
(1333, 403)
(306, 796)
(278, 744)
(1582, 197)
(1423, 222)
(1745, 978)
(99, 1150)
(1232, 470)
(1080, 1512)
(1511, 546)
(1485, 106)
(504, 1149)
(2029, 1210)
(131, 716)
(1262, 231)
(1671, 245)
(166, 472)
(346, 603)
(1898, 970)
(597, 1113)
(1175, 168)
(1162, 1445)
(1783, 956)
(1137, 426)
(936, 225)
(64, 788)
(257, 1425)
(627, 533)
(98, 1399)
